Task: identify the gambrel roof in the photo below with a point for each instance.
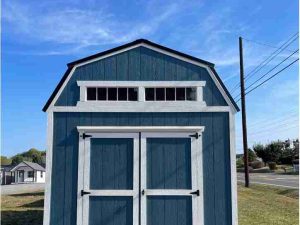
(138, 42)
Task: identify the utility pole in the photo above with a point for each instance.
(244, 119)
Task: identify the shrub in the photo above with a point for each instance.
(272, 165)
(256, 164)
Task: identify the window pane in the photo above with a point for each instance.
(180, 94)
(149, 92)
(170, 94)
(122, 94)
(91, 93)
(160, 94)
(112, 94)
(132, 94)
(101, 94)
(191, 94)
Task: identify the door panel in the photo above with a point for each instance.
(169, 163)
(111, 163)
(110, 180)
(170, 172)
(110, 210)
(169, 210)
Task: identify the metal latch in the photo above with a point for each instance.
(195, 193)
(85, 192)
(196, 135)
(84, 136)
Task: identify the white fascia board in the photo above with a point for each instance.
(141, 107)
(141, 83)
(157, 50)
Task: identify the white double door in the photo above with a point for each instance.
(145, 178)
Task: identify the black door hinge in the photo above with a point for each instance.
(85, 192)
(195, 193)
(84, 136)
(196, 135)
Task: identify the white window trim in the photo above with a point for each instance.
(168, 106)
(141, 85)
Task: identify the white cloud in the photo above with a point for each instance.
(78, 28)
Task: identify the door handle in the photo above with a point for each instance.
(195, 193)
(85, 192)
(143, 192)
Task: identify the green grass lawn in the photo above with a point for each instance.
(265, 205)
(261, 205)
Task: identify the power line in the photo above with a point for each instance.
(265, 44)
(257, 86)
(272, 69)
(269, 58)
(273, 121)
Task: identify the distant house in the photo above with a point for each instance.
(28, 172)
(5, 174)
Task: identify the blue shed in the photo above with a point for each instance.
(140, 135)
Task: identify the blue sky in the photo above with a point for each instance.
(39, 38)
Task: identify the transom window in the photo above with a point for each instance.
(112, 94)
(171, 94)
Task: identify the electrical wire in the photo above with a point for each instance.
(274, 75)
(265, 44)
(272, 69)
(269, 58)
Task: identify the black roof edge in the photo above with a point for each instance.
(138, 41)
(72, 64)
(225, 89)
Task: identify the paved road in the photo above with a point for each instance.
(21, 188)
(288, 181)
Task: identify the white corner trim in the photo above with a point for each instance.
(134, 129)
(155, 49)
(234, 203)
(49, 152)
(141, 107)
(141, 83)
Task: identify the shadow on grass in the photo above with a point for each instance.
(29, 194)
(28, 217)
(291, 193)
(36, 204)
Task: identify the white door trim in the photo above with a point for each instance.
(197, 175)
(132, 131)
(84, 176)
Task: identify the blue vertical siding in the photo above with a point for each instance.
(169, 163)
(169, 210)
(111, 165)
(110, 211)
(140, 64)
(216, 155)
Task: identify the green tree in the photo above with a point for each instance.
(17, 159)
(5, 161)
(251, 155)
(274, 151)
(260, 151)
